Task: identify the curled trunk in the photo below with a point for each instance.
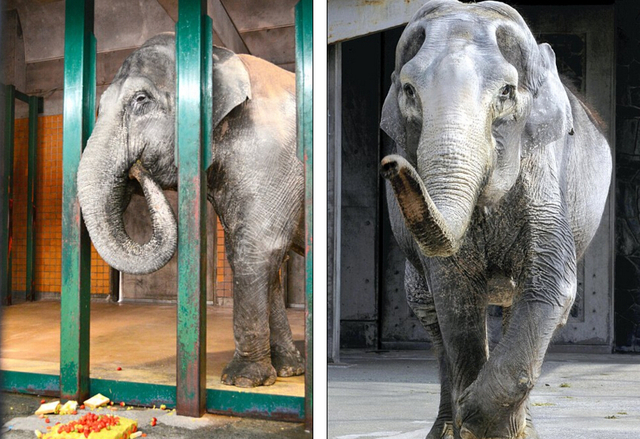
(103, 195)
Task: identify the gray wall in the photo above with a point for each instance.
(360, 192)
(627, 304)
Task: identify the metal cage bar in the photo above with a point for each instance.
(304, 84)
(7, 195)
(78, 120)
(35, 107)
(191, 66)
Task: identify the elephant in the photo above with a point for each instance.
(255, 184)
(496, 185)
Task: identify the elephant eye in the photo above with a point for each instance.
(409, 90)
(506, 92)
(139, 98)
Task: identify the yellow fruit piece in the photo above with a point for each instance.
(49, 407)
(96, 401)
(69, 407)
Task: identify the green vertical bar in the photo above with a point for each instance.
(207, 92)
(78, 114)
(191, 64)
(304, 84)
(7, 195)
(31, 194)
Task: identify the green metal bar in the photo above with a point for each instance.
(228, 402)
(191, 65)
(78, 119)
(30, 383)
(131, 393)
(207, 93)
(304, 83)
(22, 97)
(259, 405)
(31, 194)
(7, 196)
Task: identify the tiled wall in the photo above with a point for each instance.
(224, 276)
(48, 233)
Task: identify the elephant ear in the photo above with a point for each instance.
(391, 121)
(231, 83)
(550, 117)
(550, 114)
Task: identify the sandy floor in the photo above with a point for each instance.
(139, 338)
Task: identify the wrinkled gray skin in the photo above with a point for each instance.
(255, 184)
(498, 185)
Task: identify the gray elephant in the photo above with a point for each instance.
(497, 187)
(255, 184)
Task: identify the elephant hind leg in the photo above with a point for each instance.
(286, 359)
(421, 302)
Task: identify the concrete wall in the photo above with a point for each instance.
(360, 192)
(627, 304)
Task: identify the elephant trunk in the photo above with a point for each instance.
(437, 200)
(104, 194)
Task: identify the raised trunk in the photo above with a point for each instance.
(437, 200)
(434, 235)
(103, 177)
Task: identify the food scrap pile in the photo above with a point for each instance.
(90, 425)
(96, 426)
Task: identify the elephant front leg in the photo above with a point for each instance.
(251, 363)
(495, 405)
(284, 356)
(460, 300)
(420, 301)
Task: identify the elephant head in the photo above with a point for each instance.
(472, 94)
(132, 147)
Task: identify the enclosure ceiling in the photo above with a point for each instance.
(265, 26)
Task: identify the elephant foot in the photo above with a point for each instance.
(477, 418)
(244, 373)
(287, 363)
(529, 430)
(441, 430)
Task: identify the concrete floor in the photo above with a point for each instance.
(395, 395)
(19, 422)
(138, 338)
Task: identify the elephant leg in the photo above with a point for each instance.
(421, 303)
(529, 431)
(252, 281)
(495, 405)
(284, 356)
(461, 300)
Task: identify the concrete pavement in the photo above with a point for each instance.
(19, 422)
(394, 395)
